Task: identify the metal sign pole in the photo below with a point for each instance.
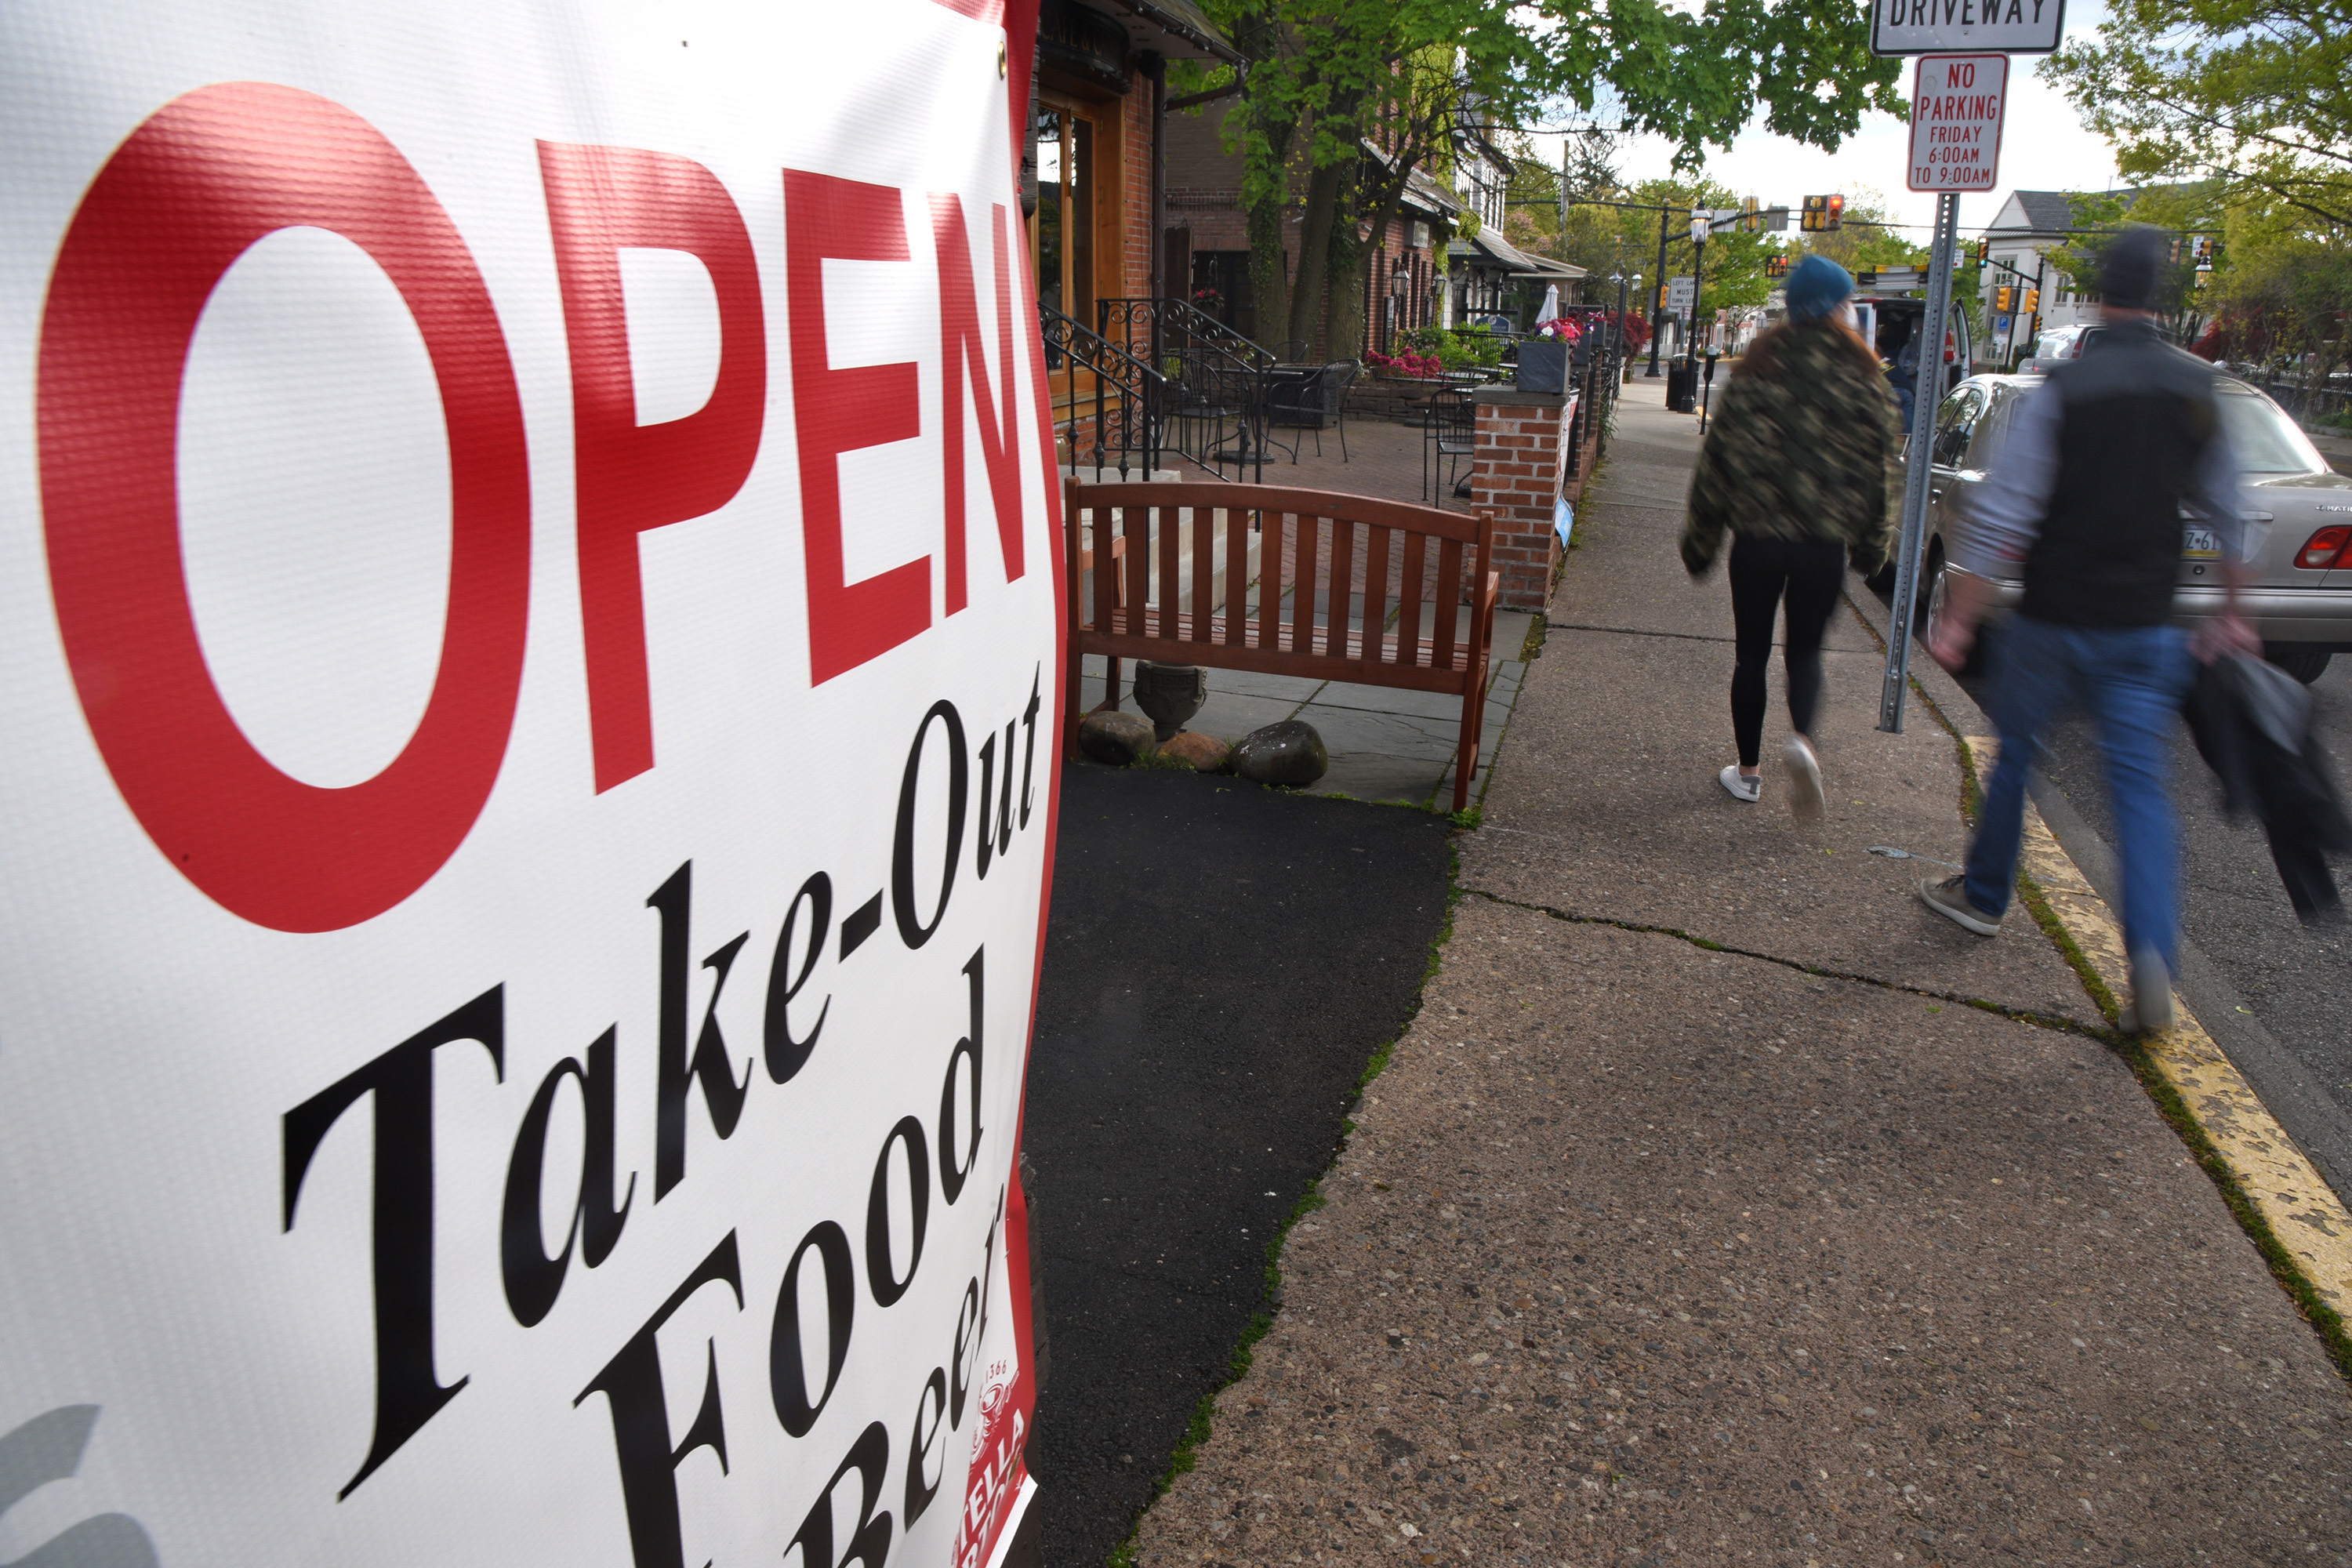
(1927, 393)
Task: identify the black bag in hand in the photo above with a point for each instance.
(2251, 722)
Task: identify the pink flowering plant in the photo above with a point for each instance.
(1561, 328)
(1406, 362)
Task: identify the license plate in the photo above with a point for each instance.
(2198, 545)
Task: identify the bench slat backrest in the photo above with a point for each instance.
(1309, 547)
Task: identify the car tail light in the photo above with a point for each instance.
(2323, 549)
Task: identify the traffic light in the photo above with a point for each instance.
(1777, 265)
(2032, 302)
(2000, 299)
(1823, 214)
(1751, 217)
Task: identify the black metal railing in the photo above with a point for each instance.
(1096, 381)
(1218, 385)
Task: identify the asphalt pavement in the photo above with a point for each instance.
(1220, 961)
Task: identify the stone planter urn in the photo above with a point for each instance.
(1169, 693)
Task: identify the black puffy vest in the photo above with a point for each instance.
(2137, 416)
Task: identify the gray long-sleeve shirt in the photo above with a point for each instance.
(2005, 513)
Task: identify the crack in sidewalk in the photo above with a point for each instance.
(2054, 1022)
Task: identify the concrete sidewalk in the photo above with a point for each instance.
(1724, 1206)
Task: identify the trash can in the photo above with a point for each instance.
(1682, 387)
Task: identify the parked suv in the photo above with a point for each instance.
(2298, 595)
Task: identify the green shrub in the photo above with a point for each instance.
(1465, 348)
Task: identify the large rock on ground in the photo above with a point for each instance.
(1289, 753)
(1116, 738)
(1203, 754)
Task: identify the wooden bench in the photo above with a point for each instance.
(1134, 595)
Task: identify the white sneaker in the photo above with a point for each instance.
(1805, 778)
(1741, 788)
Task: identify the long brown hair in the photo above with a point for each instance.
(1763, 355)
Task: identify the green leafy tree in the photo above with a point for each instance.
(2252, 92)
(1345, 98)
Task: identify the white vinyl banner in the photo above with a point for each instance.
(527, 595)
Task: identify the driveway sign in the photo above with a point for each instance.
(1933, 26)
(1956, 103)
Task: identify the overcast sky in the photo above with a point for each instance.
(2043, 148)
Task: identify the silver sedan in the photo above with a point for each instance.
(2299, 592)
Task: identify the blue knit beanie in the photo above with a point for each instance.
(1817, 286)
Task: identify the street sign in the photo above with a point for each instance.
(1679, 293)
(1935, 26)
(2001, 326)
(1956, 104)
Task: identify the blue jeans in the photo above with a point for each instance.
(2131, 681)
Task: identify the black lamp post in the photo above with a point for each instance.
(1400, 283)
(1656, 336)
(1698, 231)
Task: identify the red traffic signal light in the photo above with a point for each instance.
(1823, 214)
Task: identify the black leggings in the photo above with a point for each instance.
(1810, 573)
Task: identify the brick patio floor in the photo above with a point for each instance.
(1383, 459)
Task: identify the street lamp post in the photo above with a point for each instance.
(1698, 229)
(1617, 356)
(1663, 212)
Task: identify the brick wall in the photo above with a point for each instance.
(1516, 470)
(1136, 239)
(1402, 400)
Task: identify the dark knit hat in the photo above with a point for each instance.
(2127, 279)
(1816, 286)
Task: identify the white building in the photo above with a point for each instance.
(2029, 226)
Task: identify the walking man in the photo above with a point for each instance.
(2088, 493)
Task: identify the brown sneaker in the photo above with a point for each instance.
(1949, 898)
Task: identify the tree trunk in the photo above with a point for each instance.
(1352, 244)
(1269, 279)
(1345, 265)
(1324, 188)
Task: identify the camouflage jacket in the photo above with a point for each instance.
(1808, 453)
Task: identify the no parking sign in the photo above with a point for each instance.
(527, 590)
(1958, 102)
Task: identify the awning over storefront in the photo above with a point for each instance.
(1175, 28)
(1491, 249)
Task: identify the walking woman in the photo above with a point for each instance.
(1800, 469)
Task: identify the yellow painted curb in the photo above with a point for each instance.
(2303, 1210)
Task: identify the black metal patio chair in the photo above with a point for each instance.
(1449, 434)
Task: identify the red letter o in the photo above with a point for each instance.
(198, 183)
